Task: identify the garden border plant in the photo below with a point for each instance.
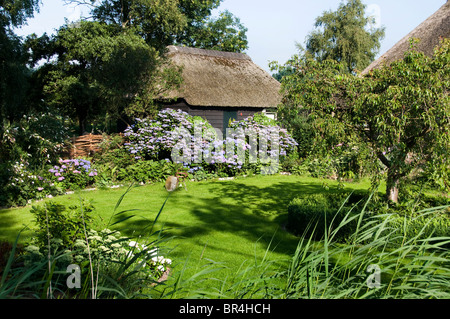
(112, 265)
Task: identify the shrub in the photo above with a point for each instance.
(420, 226)
(64, 237)
(111, 159)
(311, 214)
(73, 173)
(36, 139)
(154, 140)
(21, 184)
(146, 171)
(26, 147)
(421, 218)
(261, 124)
(307, 214)
(60, 223)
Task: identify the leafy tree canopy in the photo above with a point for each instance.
(13, 13)
(13, 58)
(401, 112)
(157, 21)
(346, 36)
(96, 69)
(225, 33)
(183, 22)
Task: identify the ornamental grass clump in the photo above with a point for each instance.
(367, 266)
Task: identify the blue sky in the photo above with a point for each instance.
(274, 26)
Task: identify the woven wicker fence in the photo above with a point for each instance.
(85, 146)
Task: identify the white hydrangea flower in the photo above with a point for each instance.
(134, 244)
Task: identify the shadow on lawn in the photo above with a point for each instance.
(254, 212)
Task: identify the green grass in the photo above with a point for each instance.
(237, 223)
(227, 241)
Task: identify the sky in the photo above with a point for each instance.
(274, 26)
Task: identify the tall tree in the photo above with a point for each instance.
(13, 57)
(224, 33)
(346, 36)
(14, 13)
(197, 12)
(157, 21)
(183, 22)
(96, 70)
(401, 112)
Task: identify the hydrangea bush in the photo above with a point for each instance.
(73, 173)
(25, 185)
(153, 139)
(279, 141)
(26, 146)
(193, 142)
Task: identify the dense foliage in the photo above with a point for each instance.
(346, 36)
(68, 236)
(312, 215)
(391, 124)
(27, 147)
(92, 75)
(13, 58)
(99, 73)
(399, 113)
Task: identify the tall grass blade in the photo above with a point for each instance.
(10, 260)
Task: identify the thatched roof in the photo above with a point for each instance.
(429, 33)
(223, 79)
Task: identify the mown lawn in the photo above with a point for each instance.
(232, 222)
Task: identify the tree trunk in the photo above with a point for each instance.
(82, 126)
(392, 186)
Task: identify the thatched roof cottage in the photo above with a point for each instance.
(429, 33)
(220, 86)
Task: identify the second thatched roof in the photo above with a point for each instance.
(223, 79)
(429, 32)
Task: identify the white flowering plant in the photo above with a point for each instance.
(68, 236)
(148, 258)
(108, 247)
(106, 256)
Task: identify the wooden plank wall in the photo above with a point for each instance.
(214, 115)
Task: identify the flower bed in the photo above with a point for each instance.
(193, 142)
(73, 173)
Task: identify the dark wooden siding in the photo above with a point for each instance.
(243, 114)
(214, 115)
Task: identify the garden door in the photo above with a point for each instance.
(228, 117)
